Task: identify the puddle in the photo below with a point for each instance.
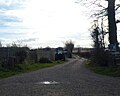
(48, 82)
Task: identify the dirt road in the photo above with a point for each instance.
(69, 79)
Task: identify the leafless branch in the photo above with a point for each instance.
(117, 6)
(99, 5)
(100, 13)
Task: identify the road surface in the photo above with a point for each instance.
(69, 79)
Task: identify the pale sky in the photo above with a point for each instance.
(42, 23)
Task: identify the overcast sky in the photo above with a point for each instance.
(42, 23)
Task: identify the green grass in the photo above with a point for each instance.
(23, 68)
(108, 71)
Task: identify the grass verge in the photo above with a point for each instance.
(23, 68)
(108, 71)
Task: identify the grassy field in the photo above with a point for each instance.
(22, 68)
(108, 71)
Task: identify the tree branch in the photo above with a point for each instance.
(118, 6)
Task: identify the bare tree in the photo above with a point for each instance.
(98, 54)
(106, 8)
(69, 45)
(17, 43)
(98, 34)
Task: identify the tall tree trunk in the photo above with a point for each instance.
(112, 23)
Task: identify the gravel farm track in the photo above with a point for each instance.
(68, 79)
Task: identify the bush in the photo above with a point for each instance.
(21, 54)
(85, 54)
(44, 60)
(100, 57)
